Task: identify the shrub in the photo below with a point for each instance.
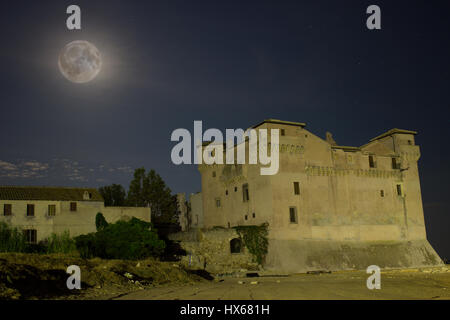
(11, 239)
(61, 243)
(132, 239)
(100, 222)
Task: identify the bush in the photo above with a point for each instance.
(100, 222)
(129, 240)
(61, 243)
(11, 239)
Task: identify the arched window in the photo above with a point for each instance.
(236, 245)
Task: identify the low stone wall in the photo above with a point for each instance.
(210, 250)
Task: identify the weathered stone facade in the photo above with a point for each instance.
(210, 250)
(59, 209)
(324, 193)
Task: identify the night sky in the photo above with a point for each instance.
(230, 64)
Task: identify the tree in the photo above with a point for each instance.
(100, 222)
(114, 195)
(151, 190)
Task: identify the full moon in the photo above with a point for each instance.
(80, 61)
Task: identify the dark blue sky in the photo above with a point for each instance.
(230, 64)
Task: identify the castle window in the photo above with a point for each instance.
(30, 210)
(246, 217)
(7, 209)
(282, 132)
(245, 192)
(399, 190)
(218, 203)
(395, 164)
(254, 215)
(214, 174)
(30, 235)
(235, 189)
(296, 187)
(372, 163)
(51, 210)
(236, 245)
(293, 215)
(382, 193)
(73, 206)
(226, 192)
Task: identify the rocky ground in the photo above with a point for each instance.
(33, 276)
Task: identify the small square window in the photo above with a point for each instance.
(382, 193)
(30, 235)
(73, 206)
(293, 215)
(372, 163)
(399, 190)
(7, 209)
(51, 210)
(30, 210)
(296, 188)
(245, 194)
(282, 132)
(395, 164)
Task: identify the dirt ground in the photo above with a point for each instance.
(32, 276)
(399, 284)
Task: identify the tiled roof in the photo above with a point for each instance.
(48, 193)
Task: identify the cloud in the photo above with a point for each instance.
(61, 171)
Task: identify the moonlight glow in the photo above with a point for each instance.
(80, 61)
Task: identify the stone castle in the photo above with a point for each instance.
(329, 207)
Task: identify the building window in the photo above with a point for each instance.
(218, 203)
(30, 210)
(293, 215)
(229, 225)
(246, 217)
(51, 210)
(214, 174)
(30, 235)
(382, 193)
(235, 189)
(350, 159)
(236, 245)
(282, 132)
(372, 163)
(254, 215)
(395, 164)
(73, 206)
(399, 190)
(296, 188)
(7, 209)
(245, 192)
(226, 192)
